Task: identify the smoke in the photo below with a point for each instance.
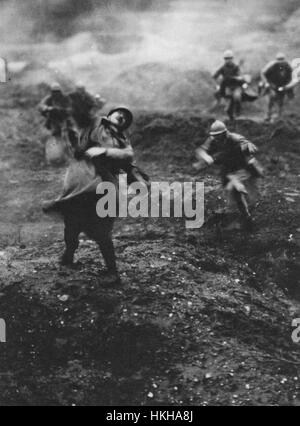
(125, 44)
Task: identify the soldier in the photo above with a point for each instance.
(102, 152)
(229, 77)
(276, 78)
(235, 155)
(56, 108)
(84, 106)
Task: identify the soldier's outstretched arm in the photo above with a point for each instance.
(203, 155)
(44, 105)
(125, 154)
(117, 154)
(218, 74)
(248, 148)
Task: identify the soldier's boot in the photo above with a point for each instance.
(238, 108)
(101, 232)
(270, 109)
(231, 110)
(247, 219)
(72, 244)
(281, 109)
(67, 259)
(107, 249)
(237, 100)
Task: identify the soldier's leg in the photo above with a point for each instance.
(272, 101)
(237, 96)
(281, 106)
(72, 232)
(243, 206)
(108, 252)
(231, 109)
(242, 203)
(56, 129)
(100, 230)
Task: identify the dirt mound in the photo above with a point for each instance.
(176, 136)
(203, 318)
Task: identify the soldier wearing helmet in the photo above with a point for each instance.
(277, 77)
(230, 87)
(103, 152)
(235, 156)
(56, 108)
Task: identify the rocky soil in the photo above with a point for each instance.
(203, 318)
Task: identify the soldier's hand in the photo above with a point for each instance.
(202, 155)
(200, 165)
(209, 160)
(95, 152)
(250, 148)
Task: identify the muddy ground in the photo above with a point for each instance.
(204, 316)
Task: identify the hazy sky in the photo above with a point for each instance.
(122, 34)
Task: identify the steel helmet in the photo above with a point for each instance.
(56, 87)
(296, 63)
(228, 54)
(217, 128)
(280, 56)
(127, 114)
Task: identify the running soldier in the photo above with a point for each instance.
(276, 79)
(235, 155)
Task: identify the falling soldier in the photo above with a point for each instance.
(235, 155)
(103, 152)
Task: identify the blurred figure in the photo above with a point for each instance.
(56, 108)
(230, 84)
(276, 79)
(296, 74)
(84, 106)
(235, 156)
(100, 102)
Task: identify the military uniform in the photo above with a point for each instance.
(79, 199)
(230, 88)
(279, 74)
(228, 72)
(232, 156)
(239, 168)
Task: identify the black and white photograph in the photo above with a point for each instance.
(150, 205)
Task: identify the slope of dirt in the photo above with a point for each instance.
(204, 317)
